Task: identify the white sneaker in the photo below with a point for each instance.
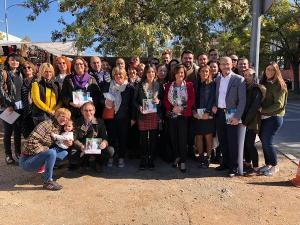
(110, 162)
(121, 163)
(272, 171)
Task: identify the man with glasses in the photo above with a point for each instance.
(234, 59)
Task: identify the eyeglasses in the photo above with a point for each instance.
(234, 59)
(27, 67)
(88, 110)
(79, 64)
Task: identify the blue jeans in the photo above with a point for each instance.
(269, 128)
(61, 153)
(33, 163)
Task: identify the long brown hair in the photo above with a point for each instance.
(277, 76)
(210, 78)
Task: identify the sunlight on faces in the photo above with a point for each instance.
(226, 65)
(179, 76)
(187, 60)
(62, 66)
(88, 111)
(13, 63)
(202, 60)
(270, 72)
(249, 76)
(28, 70)
(205, 73)
(166, 58)
(96, 63)
(119, 75)
(214, 67)
(68, 126)
(162, 72)
(120, 63)
(135, 60)
(243, 65)
(79, 67)
(132, 74)
(150, 75)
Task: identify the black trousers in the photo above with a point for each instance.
(178, 128)
(250, 149)
(148, 142)
(117, 131)
(228, 140)
(9, 129)
(75, 159)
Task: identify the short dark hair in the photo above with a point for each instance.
(213, 50)
(186, 52)
(175, 70)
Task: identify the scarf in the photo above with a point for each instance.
(177, 96)
(151, 92)
(80, 82)
(116, 90)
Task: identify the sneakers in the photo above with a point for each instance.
(272, 171)
(232, 173)
(52, 186)
(42, 169)
(263, 169)
(9, 159)
(206, 162)
(121, 163)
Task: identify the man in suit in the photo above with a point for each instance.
(230, 97)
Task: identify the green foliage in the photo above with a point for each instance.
(144, 27)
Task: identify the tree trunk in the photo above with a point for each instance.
(295, 65)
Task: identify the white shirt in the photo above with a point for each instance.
(223, 90)
(65, 136)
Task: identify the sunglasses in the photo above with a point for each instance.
(61, 63)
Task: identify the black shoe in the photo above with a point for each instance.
(151, 165)
(182, 167)
(9, 160)
(221, 168)
(142, 165)
(205, 162)
(176, 163)
(201, 161)
(18, 156)
(232, 173)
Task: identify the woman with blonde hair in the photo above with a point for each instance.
(272, 112)
(62, 67)
(45, 94)
(204, 128)
(119, 98)
(37, 152)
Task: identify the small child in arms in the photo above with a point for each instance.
(67, 135)
(60, 147)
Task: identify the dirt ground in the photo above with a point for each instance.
(164, 196)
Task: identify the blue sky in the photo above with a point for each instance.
(38, 30)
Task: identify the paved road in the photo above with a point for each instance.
(288, 138)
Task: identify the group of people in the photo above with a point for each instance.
(142, 110)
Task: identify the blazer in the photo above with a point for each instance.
(235, 95)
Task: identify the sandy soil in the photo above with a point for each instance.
(164, 197)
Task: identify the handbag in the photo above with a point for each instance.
(108, 113)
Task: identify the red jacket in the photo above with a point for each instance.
(190, 99)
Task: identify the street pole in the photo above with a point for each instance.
(6, 22)
(255, 37)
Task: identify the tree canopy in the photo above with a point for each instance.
(127, 27)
